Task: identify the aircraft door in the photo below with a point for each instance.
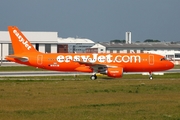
(39, 59)
(151, 59)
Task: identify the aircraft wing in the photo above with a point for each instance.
(96, 64)
(23, 59)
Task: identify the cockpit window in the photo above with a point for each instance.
(162, 59)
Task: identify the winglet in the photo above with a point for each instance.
(19, 42)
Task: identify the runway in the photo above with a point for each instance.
(39, 73)
(57, 73)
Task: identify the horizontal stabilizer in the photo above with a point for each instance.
(23, 59)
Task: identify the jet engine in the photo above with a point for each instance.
(113, 72)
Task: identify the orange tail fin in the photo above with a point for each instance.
(19, 42)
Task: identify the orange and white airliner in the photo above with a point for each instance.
(111, 64)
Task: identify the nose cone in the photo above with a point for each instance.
(170, 65)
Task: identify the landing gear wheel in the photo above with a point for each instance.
(93, 77)
(150, 77)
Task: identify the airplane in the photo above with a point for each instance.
(110, 64)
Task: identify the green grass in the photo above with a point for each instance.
(79, 99)
(177, 67)
(19, 68)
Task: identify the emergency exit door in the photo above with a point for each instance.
(39, 59)
(151, 59)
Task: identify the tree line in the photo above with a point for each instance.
(124, 41)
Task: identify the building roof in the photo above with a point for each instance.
(74, 40)
(141, 45)
(43, 37)
(40, 37)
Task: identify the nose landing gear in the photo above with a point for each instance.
(150, 76)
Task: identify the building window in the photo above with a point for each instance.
(177, 55)
(37, 47)
(10, 49)
(47, 48)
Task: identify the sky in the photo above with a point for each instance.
(98, 20)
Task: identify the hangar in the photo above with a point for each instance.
(75, 45)
(47, 42)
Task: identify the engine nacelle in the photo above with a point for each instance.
(115, 72)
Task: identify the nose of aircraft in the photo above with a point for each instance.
(170, 65)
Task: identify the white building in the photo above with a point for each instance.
(46, 42)
(76, 45)
(171, 51)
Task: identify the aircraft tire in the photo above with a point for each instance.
(150, 77)
(93, 77)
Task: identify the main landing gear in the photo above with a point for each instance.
(93, 77)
